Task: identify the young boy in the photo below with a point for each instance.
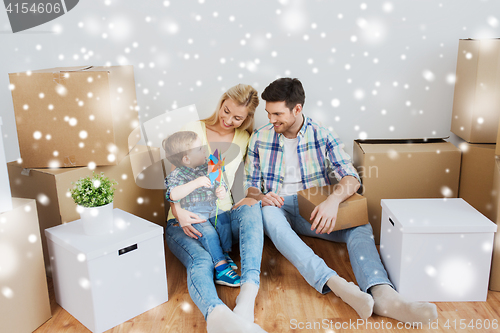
(189, 185)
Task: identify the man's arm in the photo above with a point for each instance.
(325, 214)
(253, 178)
(269, 199)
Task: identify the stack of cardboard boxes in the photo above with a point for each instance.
(475, 119)
(72, 122)
(24, 296)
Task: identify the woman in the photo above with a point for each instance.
(227, 130)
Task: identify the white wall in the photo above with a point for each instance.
(398, 56)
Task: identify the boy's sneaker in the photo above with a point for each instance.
(230, 261)
(224, 275)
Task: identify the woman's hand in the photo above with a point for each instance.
(186, 218)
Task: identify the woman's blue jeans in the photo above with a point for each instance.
(283, 225)
(216, 239)
(246, 227)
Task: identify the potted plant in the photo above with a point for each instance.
(94, 197)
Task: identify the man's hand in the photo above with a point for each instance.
(220, 192)
(325, 216)
(202, 181)
(272, 199)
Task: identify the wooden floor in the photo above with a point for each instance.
(286, 303)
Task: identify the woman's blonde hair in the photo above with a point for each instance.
(242, 95)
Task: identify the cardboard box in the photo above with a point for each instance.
(68, 117)
(476, 102)
(104, 281)
(436, 250)
(55, 205)
(497, 152)
(5, 196)
(24, 296)
(401, 169)
(352, 212)
(495, 262)
(476, 177)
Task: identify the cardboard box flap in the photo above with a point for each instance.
(405, 141)
(407, 148)
(77, 69)
(478, 40)
(53, 70)
(429, 216)
(97, 246)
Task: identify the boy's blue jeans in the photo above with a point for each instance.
(216, 239)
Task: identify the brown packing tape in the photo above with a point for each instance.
(352, 212)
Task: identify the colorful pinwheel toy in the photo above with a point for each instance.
(215, 170)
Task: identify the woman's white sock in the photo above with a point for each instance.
(223, 320)
(245, 302)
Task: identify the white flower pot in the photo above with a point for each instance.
(97, 220)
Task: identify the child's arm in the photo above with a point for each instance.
(182, 191)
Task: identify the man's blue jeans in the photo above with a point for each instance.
(246, 226)
(282, 226)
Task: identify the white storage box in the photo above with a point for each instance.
(106, 280)
(436, 250)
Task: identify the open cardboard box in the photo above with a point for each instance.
(405, 169)
(71, 116)
(352, 212)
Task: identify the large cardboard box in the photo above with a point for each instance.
(5, 196)
(495, 262)
(50, 188)
(497, 152)
(73, 116)
(403, 169)
(24, 296)
(476, 102)
(104, 281)
(476, 177)
(352, 212)
(436, 250)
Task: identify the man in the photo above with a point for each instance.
(293, 153)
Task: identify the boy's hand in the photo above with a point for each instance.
(202, 181)
(220, 192)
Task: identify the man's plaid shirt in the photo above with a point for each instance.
(183, 175)
(320, 151)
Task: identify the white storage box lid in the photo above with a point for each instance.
(436, 216)
(72, 237)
